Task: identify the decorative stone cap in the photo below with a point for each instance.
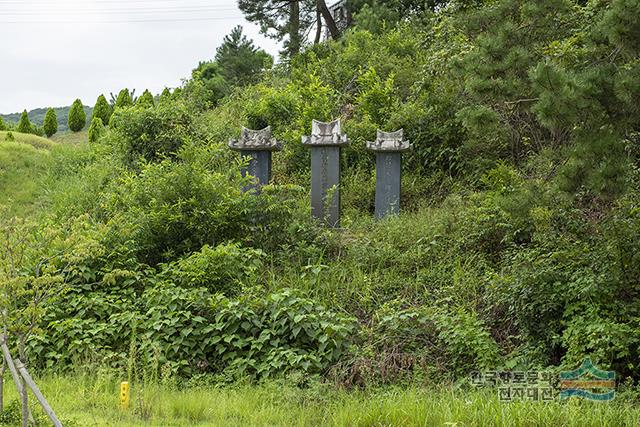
(389, 141)
(255, 140)
(323, 134)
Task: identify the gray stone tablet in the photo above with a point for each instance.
(325, 142)
(388, 147)
(257, 146)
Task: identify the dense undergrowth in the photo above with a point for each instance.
(516, 248)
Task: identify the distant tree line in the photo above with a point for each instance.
(49, 121)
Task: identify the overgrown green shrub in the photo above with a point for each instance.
(226, 268)
(266, 336)
(151, 134)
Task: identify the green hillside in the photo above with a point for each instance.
(33, 140)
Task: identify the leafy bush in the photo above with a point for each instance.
(226, 268)
(151, 133)
(190, 331)
(266, 336)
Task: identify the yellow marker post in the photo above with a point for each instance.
(125, 394)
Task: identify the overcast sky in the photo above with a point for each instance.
(53, 51)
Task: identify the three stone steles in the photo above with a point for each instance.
(325, 143)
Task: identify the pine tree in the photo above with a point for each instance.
(124, 99)
(96, 129)
(50, 124)
(288, 19)
(145, 100)
(24, 125)
(102, 109)
(509, 38)
(240, 61)
(77, 116)
(594, 99)
(3, 125)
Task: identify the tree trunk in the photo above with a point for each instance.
(318, 27)
(328, 19)
(294, 27)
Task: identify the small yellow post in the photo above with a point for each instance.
(125, 394)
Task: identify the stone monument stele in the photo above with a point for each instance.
(325, 143)
(257, 146)
(388, 147)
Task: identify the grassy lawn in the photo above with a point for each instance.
(93, 401)
(71, 137)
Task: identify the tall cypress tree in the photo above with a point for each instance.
(145, 100)
(165, 95)
(50, 124)
(96, 129)
(102, 109)
(77, 116)
(24, 125)
(124, 99)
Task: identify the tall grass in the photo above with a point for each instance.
(92, 400)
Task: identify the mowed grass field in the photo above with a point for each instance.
(93, 400)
